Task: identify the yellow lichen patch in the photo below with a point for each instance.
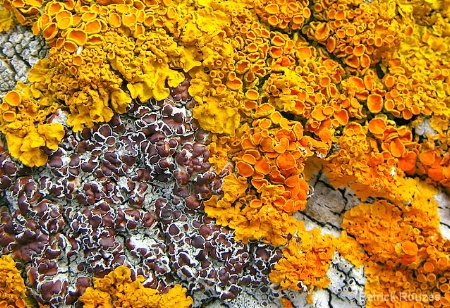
(12, 286)
(25, 12)
(219, 148)
(216, 118)
(176, 297)
(117, 289)
(6, 20)
(52, 133)
(354, 86)
(359, 32)
(349, 248)
(23, 117)
(94, 55)
(287, 14)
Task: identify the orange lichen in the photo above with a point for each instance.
(374, 103)
(354, 94)
(287, 14)
(394, 234)
(377, 126)
(12, 286)
(286, 303)
(117, 289)
(357, 31)
(269, 155)
(306, 258)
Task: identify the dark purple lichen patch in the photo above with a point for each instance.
(126, 192)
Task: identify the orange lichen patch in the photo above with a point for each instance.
(264, 110)
(50, 31)
(272, 150)
(252, 94)
(285, 161)
(410, 248)
(115, 20)
(79, 37)
(25, 12)
(244, 169)
(408, 163)
(307, 259)
(353, 62)
(92, 27)
(70, 47)
(272, 9)
(262, 166)
(234, 84)
(427, 158)
(54, 7)
(6, 19)
(363, 162)
(394, 234)
(396, 147)
(359, 50)
(9, 116)
(12, 98)
(374, 103)
(357, 84)
(64, 23)
(377, 126)
(12, 287)
(118, 289)
(358, 32)
(341, 116)
(288, 14)
(286, 303)
(62, 15)
(305, 52)
(64, 20)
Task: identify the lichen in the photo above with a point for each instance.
(12, 286)
(278, 85)
(118, 289)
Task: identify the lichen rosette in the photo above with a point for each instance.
(160, 155)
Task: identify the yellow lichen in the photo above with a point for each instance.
(25, 11)
(23, 116)
(345, 82)
(6, 20)
(118, 289)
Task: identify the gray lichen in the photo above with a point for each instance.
(19, 51)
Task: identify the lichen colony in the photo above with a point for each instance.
(164, 153)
